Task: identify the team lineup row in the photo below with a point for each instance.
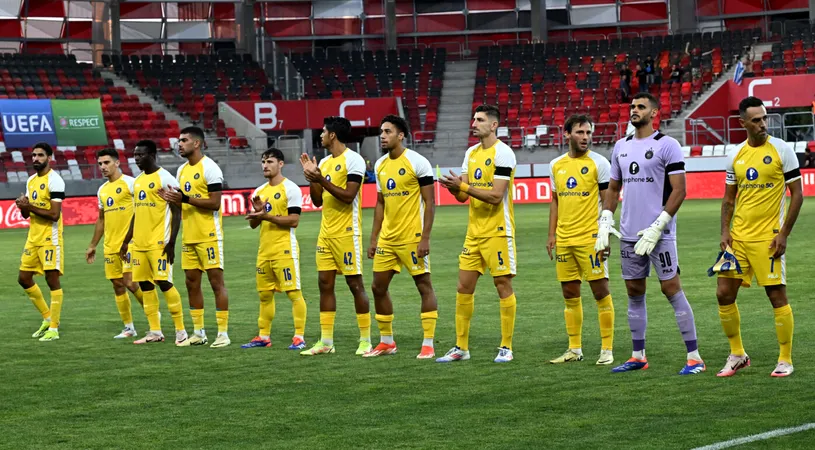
(140, 219)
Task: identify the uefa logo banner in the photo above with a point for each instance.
(26, 122)
(79, 122)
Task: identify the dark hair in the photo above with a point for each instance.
(491, 111)
(273, 153)
(397, 121)
(340, 126)
(149, 145)
(576, 119)
(651, 99)
(195, 132)
(45, 146)
(107, 152)
(749, 102)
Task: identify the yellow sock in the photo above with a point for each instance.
(385, 323)
(508, 320)
(784, 325)
(197, 319)
(56, 307)
(222, 317)
(151, 310)
(35, 295)
(327, 325)
(574, 321)
(429, 323)
(173, 299)
(731, 324)
(465, 304)
(123, 305)
(139, 296)
(605, 315)
(364, 323)
(267, 311)
(298, 311)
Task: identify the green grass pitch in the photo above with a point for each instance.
(88, 391)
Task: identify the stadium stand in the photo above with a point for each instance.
(416, 76)
(59, 76)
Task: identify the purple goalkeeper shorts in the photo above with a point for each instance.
(664, 258)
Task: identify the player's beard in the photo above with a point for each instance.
(38, 166)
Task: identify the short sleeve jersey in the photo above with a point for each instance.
(152, 225)
(761, 175)
(483, 166)
(116, 203)
(341, 219)
(643, 166)
(41, 191)
(278, 242)
(400, 182)
(577, 183)
(198, 181)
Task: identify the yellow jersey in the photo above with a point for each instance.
(483, 166)
(153, 218)
(577, 183)
(761, 175)
(41, 191)
(341, 219)
(116, 203)
(400, 183)
(278, 242)
(200, 225)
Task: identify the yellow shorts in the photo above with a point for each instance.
(282, 275)
(202, 256)
(497, 253)
(581, 262)
(393, 257)
(756, 258)
(42, 259)
(343, 255)
(151, 265)
(115, 267)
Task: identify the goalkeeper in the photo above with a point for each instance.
(651, 166)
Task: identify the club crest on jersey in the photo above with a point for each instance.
(584, 170)
(197, 176)
(391, 184)
(634, 168)
(649, 154)
(34, 195)
(768, 159)
(118, 190)
(402, 171)
(110, 201)
(42, 186)
(267, 207)
(187, 186)
(488, 162)
(328, 178)
(571, 183)
(337, 169)
(142, 195)
(152, 185)
(277, 195)
(477, 174)
(752, 174)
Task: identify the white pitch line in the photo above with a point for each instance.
(758, 437)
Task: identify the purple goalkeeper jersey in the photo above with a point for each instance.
(643, 166)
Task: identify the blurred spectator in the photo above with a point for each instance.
(642, 76)
(370, 175)
(625, 83)
(650, 71)
(809, 158)
(676, 74)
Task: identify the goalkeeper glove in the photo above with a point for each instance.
(606, 227)
(651, 235)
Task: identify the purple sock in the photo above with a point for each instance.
(637, 321)
(684, 318)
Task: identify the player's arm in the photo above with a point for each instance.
(213, 203)
(792, 178)
(316, 193)
(127, 239)
(175, 225)
(728, 206)
(492, 196)
(551, 242)
(379, 216)
(98, 231)
(461, 197)
(347, 195)
(288, 221)
(611, 198)
(678, 193)
(796, 201)
(429, 196)
(51, 213)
